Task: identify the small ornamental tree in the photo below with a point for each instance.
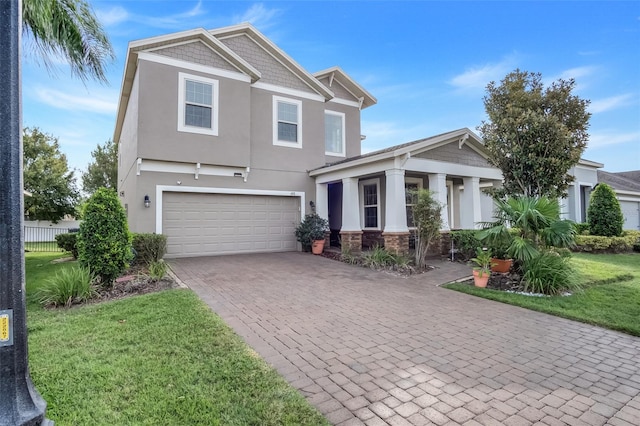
(604, 214)
(104, 240)
(428, 222)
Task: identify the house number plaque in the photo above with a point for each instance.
(6, 327)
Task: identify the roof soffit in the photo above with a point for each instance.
(359, 92)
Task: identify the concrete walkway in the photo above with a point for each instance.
(372, 348)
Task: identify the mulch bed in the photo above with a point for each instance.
(130, 285)
(403, 271)
(504, 282)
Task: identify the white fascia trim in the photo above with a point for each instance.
(345, 102)
(355, 172)
(361, 185)
(188, 168)
(342, 115)
(276, 141)
(182, 127)
(632, 199)
(287, 91)
(632, 193)
(161, 189)
(165, 60)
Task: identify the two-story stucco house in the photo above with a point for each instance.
(225, 142)
(216, 133)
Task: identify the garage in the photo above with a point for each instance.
(631, 213)
(202, 224)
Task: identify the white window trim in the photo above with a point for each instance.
(344, 136)
(276, 141)
(361, 184)
(182, 77)
(420, 182)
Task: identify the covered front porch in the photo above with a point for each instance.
(367, 198)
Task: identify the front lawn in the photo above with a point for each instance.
(161, 358)
(610, 298)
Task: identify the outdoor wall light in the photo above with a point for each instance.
(147, 201)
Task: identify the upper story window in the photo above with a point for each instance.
(287, 122)
(334, 139)
(197, 104)
(370, 203)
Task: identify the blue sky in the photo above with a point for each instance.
(426, 62)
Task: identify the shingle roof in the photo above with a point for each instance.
(623, 181)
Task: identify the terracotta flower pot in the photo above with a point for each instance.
(481, 281)
(317, 246)
(501, 265)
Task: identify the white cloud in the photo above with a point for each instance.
(610, 103)
(258, 15)
(478, 77)
(577, 72)
(113, 16)
(105, 104)
(118, 15)
(605, 139)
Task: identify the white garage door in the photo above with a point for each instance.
(208, 224)
(631, 213)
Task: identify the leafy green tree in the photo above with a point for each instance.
(47, 177)
(428, 222)
(102, 172)
(68, 29)
(104, 240)
(534, 135)
(604, 214)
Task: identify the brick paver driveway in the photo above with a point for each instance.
(371, 348)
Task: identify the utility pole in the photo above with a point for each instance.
(20, 402)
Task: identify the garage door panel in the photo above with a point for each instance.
(207, 224)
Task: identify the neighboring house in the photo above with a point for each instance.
(216, 133)
(627, 188)
(225, 142)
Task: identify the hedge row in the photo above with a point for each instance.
(629, 241)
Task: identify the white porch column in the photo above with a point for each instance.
(350, 205)
(470, 209)
(322, 200)
(438, 184)
(573, 202)
(395, 202)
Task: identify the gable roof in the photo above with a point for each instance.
(149, 44)
(463, 136)
(623, 181)
(249, 30)
(358, 92)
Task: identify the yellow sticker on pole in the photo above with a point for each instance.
(6, 320)
(4, 328)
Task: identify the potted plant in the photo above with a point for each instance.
(311, 232)
(498, 241)
(482, 270)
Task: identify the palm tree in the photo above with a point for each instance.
(68, 28)
(538, 224)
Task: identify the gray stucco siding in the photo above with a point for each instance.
(143, 219)
(158, 137)
(266, 155)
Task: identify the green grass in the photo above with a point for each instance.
(161, 358)
(610, 297)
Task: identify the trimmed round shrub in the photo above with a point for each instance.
(604, 214)
(68, 242)
(104, 240)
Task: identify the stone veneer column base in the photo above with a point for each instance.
(396, 242)
(352, 241)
